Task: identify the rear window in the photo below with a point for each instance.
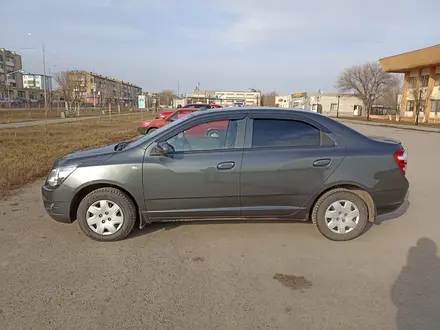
(287, 133)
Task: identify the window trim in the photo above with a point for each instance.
(307, 121)
(198, 120)
(190, 152)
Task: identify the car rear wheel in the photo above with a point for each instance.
(151, 130)
(106, 214)
(340, 215)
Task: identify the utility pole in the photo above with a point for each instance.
(419, 105)
(178, 88)
(44, 73)
(370, 101)
(94, 91)
(337, 110)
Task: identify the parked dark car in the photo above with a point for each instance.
(266, 164)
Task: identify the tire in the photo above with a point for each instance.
(336, 197)
(151, 130)
(111, 196)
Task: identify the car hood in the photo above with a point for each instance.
(155, 123)
(87, 155)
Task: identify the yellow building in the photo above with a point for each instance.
(422, 73)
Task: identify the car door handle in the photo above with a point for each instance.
(322, 162)
(225, 165)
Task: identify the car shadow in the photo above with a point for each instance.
(416, 292)
(158, 226)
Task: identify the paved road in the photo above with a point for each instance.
(53, 121)
(229, 275)
(393, 125)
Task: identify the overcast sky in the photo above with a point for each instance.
(284, 45)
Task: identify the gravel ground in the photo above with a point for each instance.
(228, 275)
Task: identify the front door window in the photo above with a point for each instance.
(214, 135)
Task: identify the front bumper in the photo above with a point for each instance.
(142, 130)
(56, 207)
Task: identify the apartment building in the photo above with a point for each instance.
(250, 97)
(11, 81)
(283, 101)
(37, 81)
(421, 83)
(96, 89)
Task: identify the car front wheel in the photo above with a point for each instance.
(106, 214)
(340, 215)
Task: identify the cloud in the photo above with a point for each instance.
(272, 21)
(102, 31)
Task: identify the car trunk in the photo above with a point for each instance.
(385, 139)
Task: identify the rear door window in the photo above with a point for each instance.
(287, 133)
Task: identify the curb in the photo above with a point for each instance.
(404, 127)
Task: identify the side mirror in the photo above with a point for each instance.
(162, 149)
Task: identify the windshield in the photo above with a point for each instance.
(139, 140)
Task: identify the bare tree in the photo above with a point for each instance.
(64, 86)
(268, 99)
(3, 89)
(72, 89)
(107, 95)
(368, 81)
(418, 95)
(166, 97)
(390, 99)
(435, 108)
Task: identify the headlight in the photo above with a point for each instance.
(59, 174)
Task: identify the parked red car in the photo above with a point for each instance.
(147, 127)
(197, 106)
(201, 105)
(164, 114)
(213, 129)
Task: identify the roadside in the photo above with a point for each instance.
(28, 115)
(67, 120)
(423, 128)
(30, 152)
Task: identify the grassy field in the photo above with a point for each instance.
(28, 153)
(20, 115)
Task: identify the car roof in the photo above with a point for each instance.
(262, 110)
(328, 122)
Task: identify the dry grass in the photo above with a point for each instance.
(28, 153)
(20, 115)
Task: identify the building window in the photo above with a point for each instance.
(425, 80)
(412, 82)
(437, 79)
(333, 107)
(410, 106)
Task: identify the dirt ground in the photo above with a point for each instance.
(255, 275)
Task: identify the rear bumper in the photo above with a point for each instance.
(57, 208)
(390, 200)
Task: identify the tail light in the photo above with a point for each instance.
(401, 157)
